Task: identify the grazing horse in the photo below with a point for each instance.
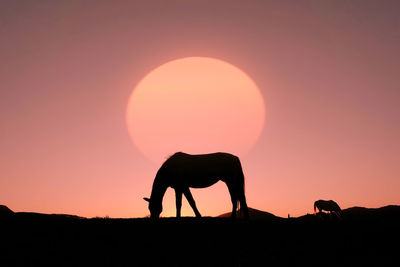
(328, 205)
(182, 171)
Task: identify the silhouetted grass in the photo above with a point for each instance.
(42, 240)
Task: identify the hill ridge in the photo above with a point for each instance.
(255, 214)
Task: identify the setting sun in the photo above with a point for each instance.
(196, 105)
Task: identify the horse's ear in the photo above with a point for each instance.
(147, 199)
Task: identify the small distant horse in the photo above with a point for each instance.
(182, 171)
(329, 206)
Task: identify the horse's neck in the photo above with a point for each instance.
(158, 191)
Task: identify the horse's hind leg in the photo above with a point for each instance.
(243, 205)
(237, 195)
(234, 199)
(178, 196)
(190, 199)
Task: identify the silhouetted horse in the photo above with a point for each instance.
(328, 205)
(182, 171)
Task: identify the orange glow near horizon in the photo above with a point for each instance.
(195, 105)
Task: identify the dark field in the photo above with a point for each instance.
(365, 237)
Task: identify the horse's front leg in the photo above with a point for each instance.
(178, 196)
(190, 199)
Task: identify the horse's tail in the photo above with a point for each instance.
(241, 190)
(315, 207)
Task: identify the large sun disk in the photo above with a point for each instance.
(196, 105)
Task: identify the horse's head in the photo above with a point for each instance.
(155, 208)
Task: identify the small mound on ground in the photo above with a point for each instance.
(4, 210)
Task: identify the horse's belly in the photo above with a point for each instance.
(201, 183)
(198, 174)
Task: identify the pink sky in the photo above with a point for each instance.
(328, 72)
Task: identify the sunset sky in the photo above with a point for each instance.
(326, 72)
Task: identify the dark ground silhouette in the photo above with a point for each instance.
(365, 237)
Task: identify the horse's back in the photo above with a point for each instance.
(218, 158)
(202, 156)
